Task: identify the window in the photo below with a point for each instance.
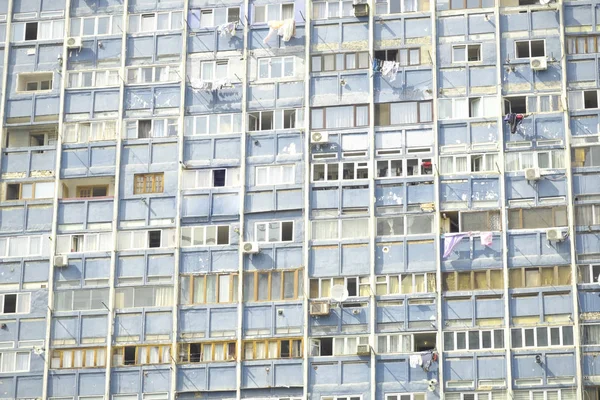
(405, 396)
(591, 335)
(92, 78)
(471, 221)
(491, 279)
(270, 232)
(405, 57)
(212, 17)
(80, 299)
(213, 124)
(24, 246)
(147, 296)
(273, 285)
(357, 286)
(387, 114)
(339, 62)
(95, 26)
(213, 235)
(404, 284)
(41, 30)
(532, 104)
(128, 240)
(273, 12)
(473, 107)
(410, 224)
(17, 138)
(341, 397)
(587, 215)
(518, 161)
(209, 288)
(141, 355)
(15, 303)
(395, 168)
(339, 117)
(350, 171)
(474, 340)
(587, 156)
(84, 132)
(34, 81)
(537, 218)
(530, 48)
(212, 70)
(467, 163)
(582, 44)
(400, 6)
(539, 277)
(466, 53)
(152, 22)
(336, 346)
(260, 121)
(29, 191)
(543, 336)
(475, 395)
(340, 229)
(92, 191)
(151, 128)
(405, 343)
(275, 67)
(206, 352)
(83, 243)
(332, 9)
(583, 100)
(88, 357)
(275, 175)
(155, 74)
(207, 178)
(148, 183)
(14, 361)
(272, 348)
(588, 273)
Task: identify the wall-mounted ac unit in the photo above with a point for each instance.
(319, 137)
(555, 235)
(61, 261)
(73, 42)
(319, 308)
(363, 349)
(532, 174)
(538, 63)
(250, 248)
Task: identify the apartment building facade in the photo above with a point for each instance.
(322, 200)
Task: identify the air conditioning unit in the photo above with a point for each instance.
(363, 349)
(361, 9)
(532, 174)
(538, 63)
(61, 261)
(250, 248)
(319, 137)
(73, 42)
(319, 308)
(555, 235)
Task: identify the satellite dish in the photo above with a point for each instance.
(339, 293)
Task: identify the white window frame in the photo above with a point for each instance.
(266, 228)
(93, 239)
(339, 13)
(204, 179)
(535, 159)
(113, 25)
(461, 107)
(214, 64)
(492, 333)
(427, 278)
(466, 53)
(167, 239)
(57, 31)
(213, 12)
(548, 333)
(172, 15)
(139, 75)
(469, 162)
(581, 93)
(269, 64)
(26, 78)
(22, 306)
(97, 131)
(349, 348)
(193, 123)
(44, 244)
(34, 190)
(11, 363)
(119, 292)
(361, 282)
(167, 123)
(406, 396)
(358, 166)
(111, 78)
(257, 122)
(405, 224)
(403, 5)
(341, 232)
(266, 12)
(538, 103)
(529, 41)
(275, 174)
(193, 233)
(70, 294)
(593, 279)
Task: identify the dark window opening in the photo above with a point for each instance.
(129, 355)
(10, 304)
(233, 14)
(528, 2)
(289, 119)
(538, 48)
(154, 239)
(450, 222)
(266, 121)
(12, 191)
(76, 243)
(285, 349)
(31, 31)
(195, 352)
(590, 99)
(218, 178)
(223, 235)
(144, 128)
(36, 140)
(386, 55)
(474, 52)
(287, 231)
(326, 347)
(424, 342)
(351, 286)
(516, 105)
(231, 351)
(99, 191)
(522, 49)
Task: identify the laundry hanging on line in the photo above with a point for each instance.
(227, 29)
(286, 29)
(513, 120)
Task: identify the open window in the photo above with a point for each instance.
(516, 105)
(34, 82)
(424, 341)
(219, 177)
(590, 99)
(154, 239)
(289, 119)
(31, 31)
(466, 53)
(10, 304)
(129, 355)
(530, 48)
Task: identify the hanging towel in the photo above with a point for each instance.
(415, 361)
(486, 238)
(451, 241)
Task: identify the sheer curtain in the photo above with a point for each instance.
(323, 230)
(219, 352)
(22, 361)
(355, 228)
(340, 117)
(403, 113)
(163, 296)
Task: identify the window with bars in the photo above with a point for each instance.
(539, 276)
(209, 288)
(206, 352)
(473, 280)
(148, 183)
(88, 357)
(141, 355)
(275, 285)
(272, 348)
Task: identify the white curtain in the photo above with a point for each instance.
(219, 352)
(319, 10)
(224, 288)
(576, 100)
(163, 296)
(323, 230)
(340, 117)
(22, 361)
(403, 113)
(355, 228)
